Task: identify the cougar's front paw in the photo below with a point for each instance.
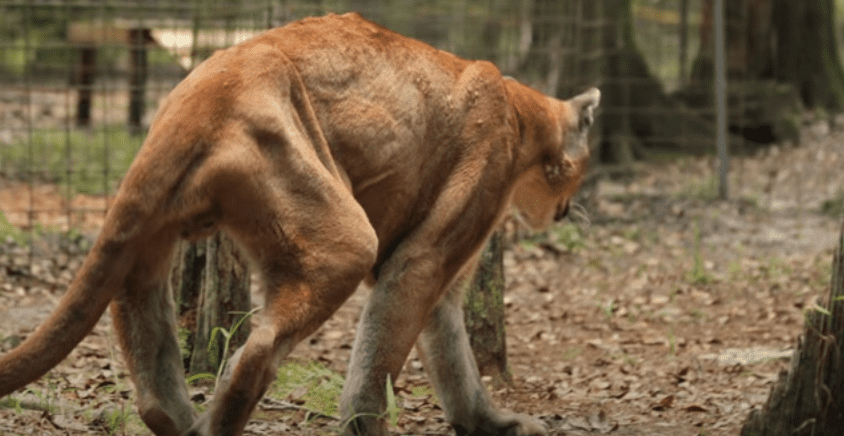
(365, 425)
(200, 427)
(523, 425)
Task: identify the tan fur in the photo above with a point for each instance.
(334, 151)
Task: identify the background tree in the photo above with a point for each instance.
(211, 282)
(781, 40)
(782, 56)
(484, 312)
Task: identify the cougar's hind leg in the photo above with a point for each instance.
(312, 246)
(450, 364)
(144, 318)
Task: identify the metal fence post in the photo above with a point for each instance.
(721, 99)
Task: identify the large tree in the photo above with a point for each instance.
(780, 53)
(787, 41)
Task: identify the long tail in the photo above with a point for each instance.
(129, 220)
(100, 277)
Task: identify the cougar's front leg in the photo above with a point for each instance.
(389, 325)
(451, 366)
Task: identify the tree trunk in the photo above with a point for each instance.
(637, 111)
(809, 398)
(484, 312)
(780, 53)
(807, 51)
(749, 34)
(212, 284)
(541, 66)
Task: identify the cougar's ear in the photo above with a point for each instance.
(585, 105)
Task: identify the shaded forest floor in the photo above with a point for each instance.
(668, 313)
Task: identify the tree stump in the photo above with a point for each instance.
(211, 281)
(808, 399)
(484, 312)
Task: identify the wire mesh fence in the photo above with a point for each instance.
(80, 80)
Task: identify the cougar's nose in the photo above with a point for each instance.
(562, 211)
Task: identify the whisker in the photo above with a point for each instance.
(577, 210)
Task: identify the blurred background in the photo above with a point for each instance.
(80, 80)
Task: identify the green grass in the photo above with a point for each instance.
(321, 385)
(86, 162)
(705, 188)
(9, 232)
(834, 207)
(570, 236)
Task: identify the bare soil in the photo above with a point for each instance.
(667, 313)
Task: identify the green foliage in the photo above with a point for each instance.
(834, 207)
(321, 385)
(608, 309)
(571, 353)
(87, 162)
(672, 343)
(11, 403)
(570, 236)
(116, 419)
(33, 33)
(393, 408)
(200, 376)
(213, 352)
(701, 189)
(422, 391)
(184, 336)
(9, 232)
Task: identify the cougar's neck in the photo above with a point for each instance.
(536, 122)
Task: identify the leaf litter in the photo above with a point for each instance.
(670, 313)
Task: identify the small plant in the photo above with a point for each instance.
(393, 408)
(698, 315)
(571, 353)
(115, 419)
(11, 403)
(320, 386)
(698, 274)
(422, 391)
(227, 334)
(570, 236)
(734, 268)
(200, 376)
(8, 231)
(834, 207)
(626, 358)
(701, 189)
(672, 343)
(608, 309)
(184, 336)
(776, 268)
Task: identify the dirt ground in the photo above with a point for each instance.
(665, 312)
